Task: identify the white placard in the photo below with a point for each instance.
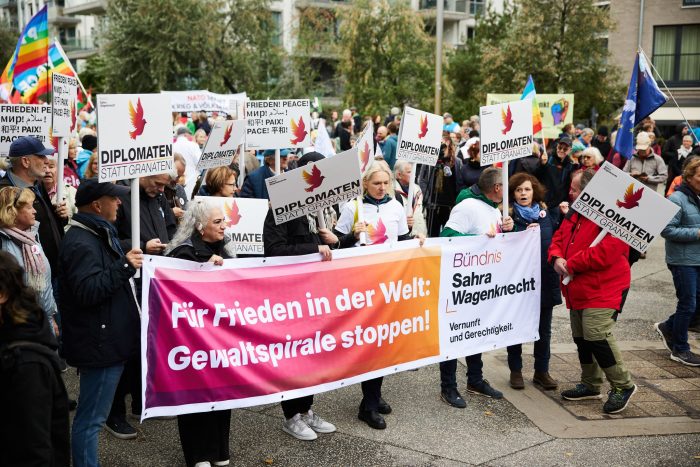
(190, 101)
(224, 139)
(23, 120)
(315, 186)
(136, 136)
(64, 105)
(365, 148)
(420, 137)
(244, 218)
(506, 131)
(278, 124)
(625, 207)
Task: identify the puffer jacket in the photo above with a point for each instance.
(601, 274)
(681, 233)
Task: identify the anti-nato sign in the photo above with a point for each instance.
(136, 135)
(625, 207)
(315, 186)
(506, 131)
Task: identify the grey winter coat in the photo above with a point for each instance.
(681, 233)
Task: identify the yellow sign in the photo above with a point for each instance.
(556, 109)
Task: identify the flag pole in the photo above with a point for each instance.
(670, 94)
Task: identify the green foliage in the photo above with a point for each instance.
(93, 75)
(8, 42)
(387, 59)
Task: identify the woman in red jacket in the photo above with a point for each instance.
(600, 279)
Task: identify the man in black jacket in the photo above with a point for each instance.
(99, 309)
(29, 165)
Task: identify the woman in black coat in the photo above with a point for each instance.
(529, 209)
(200, 237)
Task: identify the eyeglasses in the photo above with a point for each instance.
(587, 157)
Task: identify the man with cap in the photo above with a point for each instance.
(644, 165)
(254, 185)
(29, 163)
(190, 151)
(98, 307)
(555, 172)
(449, 125)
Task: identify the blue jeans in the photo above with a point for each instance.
(541, 352)
(448, 372)
(97, 386)
(686, 279)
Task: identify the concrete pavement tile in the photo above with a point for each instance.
(646, 395)
(691, 395)
(651, 373)
(632, 411)
(682, 372)
(671, 385)
(652, 356)
(693, 381)
(630, 364)
(639, 451)
(588, 410)
(661, 409)
(631, 355)
(439, 462)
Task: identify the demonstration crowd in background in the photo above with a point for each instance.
(68, 296)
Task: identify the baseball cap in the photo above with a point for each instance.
(89, 142)
(29, 146)
(90, 190)
(565, 140)
(271, 153)
(643, 140)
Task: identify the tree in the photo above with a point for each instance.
(386, 58)
(557, 41)
(8, 42)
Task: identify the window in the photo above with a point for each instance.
(676, 54)
(691, 2)
(476, 7)
(277, 23)
(470, 33)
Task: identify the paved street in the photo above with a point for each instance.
(529, 427)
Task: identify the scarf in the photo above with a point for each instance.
(376, 202)
(34, 262)
(95, 221)
(329, 216)
(529, 213)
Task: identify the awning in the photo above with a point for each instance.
(672, 114)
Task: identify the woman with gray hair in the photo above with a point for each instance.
(591, 158)
(200, 237)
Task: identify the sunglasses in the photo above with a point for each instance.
(17, 196)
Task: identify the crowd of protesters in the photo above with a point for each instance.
(69, 289)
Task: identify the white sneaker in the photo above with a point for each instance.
(317, 424)
(296, 427)
(218, 463)
(202, 464)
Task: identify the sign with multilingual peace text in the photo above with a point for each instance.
(24, 120)
(64, 105)
(278, 124)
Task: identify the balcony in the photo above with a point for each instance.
(81, 48)
(56, 16)
(12, 4)
(455, 10)
(80, 7)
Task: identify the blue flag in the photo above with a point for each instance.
(643, 97)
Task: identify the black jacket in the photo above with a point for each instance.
(50, 225)
(157, 220)
(196, 249)
(557, 180)
(292, 238)
(98, 307)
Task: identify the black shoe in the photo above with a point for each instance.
(618, 399)
(72, 404)
(383, 408)
(453, 397)
(62, 365)
(485, 389)
(120, 428)
(694, 327)
(372, 418)
(687, 358)
(579, 393)
(665, 334)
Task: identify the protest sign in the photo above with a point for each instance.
(24, 120)
(556, 109)
(221, 145)
(137, 136)
(203, 100)
(506, 131)
(365, 148)
(419, 137)
(278, 124)
(625, 207)
(64, 99)
(239, 335)
(244, 218)
(315, 186)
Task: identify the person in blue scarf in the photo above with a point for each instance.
(529, 210)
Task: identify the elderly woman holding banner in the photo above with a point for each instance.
(385, 221)
(595, 295)
(204, 436)
(301, 236)
(529, 210)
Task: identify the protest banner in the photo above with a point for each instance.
(625, 207)
(244, 218)
(137, 136)
(203, 100)
(240, 334)
(556, 109)
(23, 120)
(420, 136)
(506, 131)
(221, 145)
(315, 186)
(278, 124)
(64, 101)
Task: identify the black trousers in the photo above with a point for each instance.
(301, 405)
(371, 393)
(129, 383)
(205, 436)
(34, 426)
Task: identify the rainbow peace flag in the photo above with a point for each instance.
(31, 52)
(529, 93)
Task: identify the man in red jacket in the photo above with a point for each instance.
(600, 280)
